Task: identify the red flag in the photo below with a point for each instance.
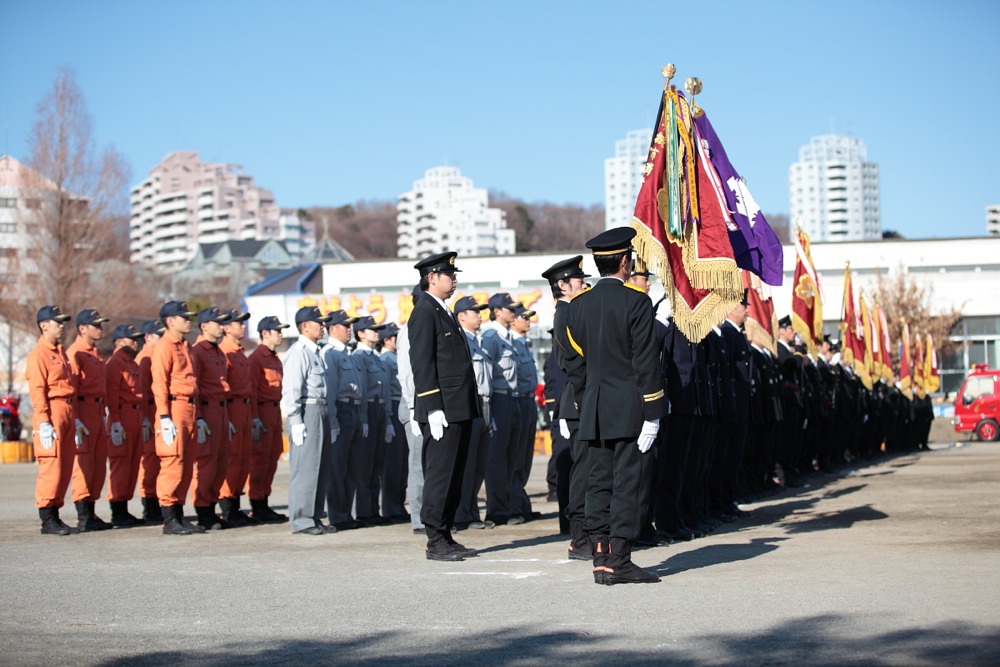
(885, 355)
(905, 381)
(871, 343)
(853, 344)
(680, 223)
(918, 368)
(932, 381)
(807, 303)
(761, 323)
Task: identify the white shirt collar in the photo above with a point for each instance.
(337, 345)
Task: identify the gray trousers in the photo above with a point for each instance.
(308, 476)
(415, 477)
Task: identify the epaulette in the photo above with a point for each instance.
(633, 287)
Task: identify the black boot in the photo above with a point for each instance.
(120, 517)
(599, 547)
(172, 521)
(50, 522)
(179, 513)
(151, 511)
(99, 523)
(260, 511)
(231, 513)
(207, 518)
(86, 522)
(621, 570)
(276, 517)
(579, 545)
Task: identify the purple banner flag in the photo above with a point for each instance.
(755, 245)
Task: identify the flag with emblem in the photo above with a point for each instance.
(918, 367)
(762, 323)
(885, 347)
(852, 332)
(871, 343)
(807, 301)
(932, 380)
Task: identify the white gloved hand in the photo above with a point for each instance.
(81, 430)
(203, 431)
(256, 429)
(232, 430)
(390, 432)
(298, 434)
(46, 435)
(493, 427)
(117, 434)
(438, 424)
(364, 430)
(648, 435)
(147, 430)
(168, 430)
(334, 433)
(564, 428)
(415, 429)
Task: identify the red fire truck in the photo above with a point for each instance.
(977, 405)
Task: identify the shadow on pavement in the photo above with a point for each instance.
(817, 640)
(530, 542)
(837, 520)
(716, 554)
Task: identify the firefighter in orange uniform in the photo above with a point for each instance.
(266, 374)
(176, 395)
(52, 387)
(213, 427)
(242, 409)
(126, 403)
(152, 330)
(91, 467)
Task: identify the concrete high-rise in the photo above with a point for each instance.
(623, 175)
(184, 202)
(834, 190)
(443, 212)
(993, 220)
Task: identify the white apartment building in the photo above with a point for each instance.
(298, 233)
(623, 177)
(184, 202)
(443, 212)
(834, 191)
(993, 220)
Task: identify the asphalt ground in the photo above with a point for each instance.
(896, 562)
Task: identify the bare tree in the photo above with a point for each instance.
(903, 298)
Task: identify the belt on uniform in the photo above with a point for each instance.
(502, 392)
(185, 399)
(61, 398)
(221, 404)
(274, 403)
(244, 401)
(349, 401)
(136, 406)
(514, 394)
(379, 400)
(312, 401)
(97, 399)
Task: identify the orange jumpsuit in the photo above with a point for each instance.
(175, 393)
(91, 467)
(52, 387)
(242, 408)
(266, 374)
(126, 404)
(212, 458)
(150, 462)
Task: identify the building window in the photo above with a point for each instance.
(8, 227)
(8, 202)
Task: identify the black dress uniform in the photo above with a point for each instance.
(443, 380)
(613, 366)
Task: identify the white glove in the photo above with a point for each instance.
(147, 430)
(438, 424)
(81, 431)
(334, 433)
(648, 435)
(564, 428)
(117, 434)
(168, 430)
(203, 431)
(805, 423)
(232, 430)
(364, 430)
(298, 434)
(415, 428)
(390, 432)
(46, 435)
(493, 427)
(256, 429)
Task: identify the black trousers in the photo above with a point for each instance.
(395, 468)
(475, 469)
(671, 461)
(498, 473)
(615, 488)
(579, 473)
(344, 452)
(444, 465)
(561, 463)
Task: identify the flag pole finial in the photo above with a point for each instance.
(693, 86)
(668, 71)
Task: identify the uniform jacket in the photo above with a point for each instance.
(613, 362)
(739, 356)
(567, 400)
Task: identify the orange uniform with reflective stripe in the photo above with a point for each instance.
(91, 466)
(212, 459)
(52, 388)
(125, 406)
(242, 409)
(173, 374)
(266, 373)
(150, 462)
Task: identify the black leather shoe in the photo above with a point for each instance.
(629, 573)
(498, 520)
(347, 525)
(442, 552)
(646, 541)
(50, 524)
(464, 551)
(478, 525)
(515, 521)
(419, 531)
(311, 530)
(329, 529)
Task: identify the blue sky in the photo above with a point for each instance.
(326, 103)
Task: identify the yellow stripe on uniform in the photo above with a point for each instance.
(630, 286)
(652, 397)
(573, 343)
(434, 391)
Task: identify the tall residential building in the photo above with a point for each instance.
(623, 177)
(444, 212)
(185, 201)
(833, 190)
(993, 220)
